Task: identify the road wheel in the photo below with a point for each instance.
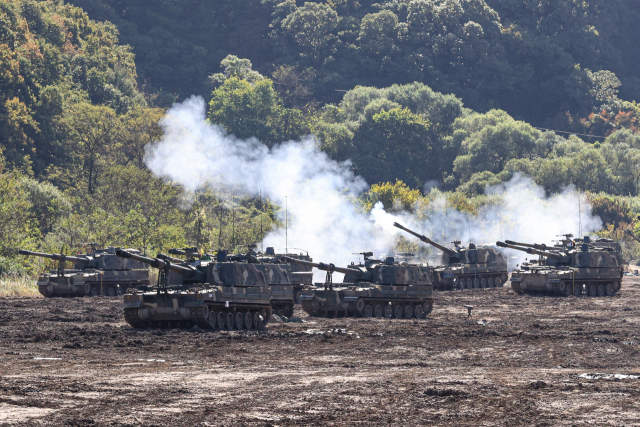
(388, 311)
(609, 290)
(600, 290)
(212, 319)
(498, 282)
(490, 282)
(222, 320)
(427, 307)
(593, 291)
(360, 306)
(476, 283)
(297, 297)
(617, 285)
(568, 289)
(408, 312)
(230, 321)
(248, 320)
(87, 289)
(418, 311)
(368, 311)
(469, 283)
(577, 290)
(288, 310)
(397, 311)
(111, 292)
(483, 283)
(378, 311)
(119, 290)
(95, 291)
(239, 320)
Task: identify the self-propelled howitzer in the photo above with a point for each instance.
(592, 270)
(97, 273)
(223, 295)
(471, 267)
(374, 289)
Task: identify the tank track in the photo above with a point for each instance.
(131, 317)
(594, 289)
(463, 284)
(44, 291)
(197, 318)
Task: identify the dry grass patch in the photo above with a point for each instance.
(19, 286)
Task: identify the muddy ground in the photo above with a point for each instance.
(523, 360)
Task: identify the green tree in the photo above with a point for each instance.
(92, 128)
(394, 144)
(254, 110)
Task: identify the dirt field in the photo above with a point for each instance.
(522, 361)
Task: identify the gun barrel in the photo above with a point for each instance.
(161, 264)
(57, 257)
(527, 245)
(325, 267)
(552, 255)
(166, 257)
(426, 239)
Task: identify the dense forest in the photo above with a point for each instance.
(422, 96)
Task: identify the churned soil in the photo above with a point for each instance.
(520, 360)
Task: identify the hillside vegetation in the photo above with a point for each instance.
(423, 97)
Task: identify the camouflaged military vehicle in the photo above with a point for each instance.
(373, 289)
(223, 295)
(472, 267)
(594, 271)
(98, 273)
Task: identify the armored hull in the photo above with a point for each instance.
(215, 307)
(92, 283)
(300, 276)
(368, 300)
(567, 281)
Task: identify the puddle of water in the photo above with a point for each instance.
(609, 376)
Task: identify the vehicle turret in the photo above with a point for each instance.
(188, 252)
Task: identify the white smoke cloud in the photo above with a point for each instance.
(317, 189)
